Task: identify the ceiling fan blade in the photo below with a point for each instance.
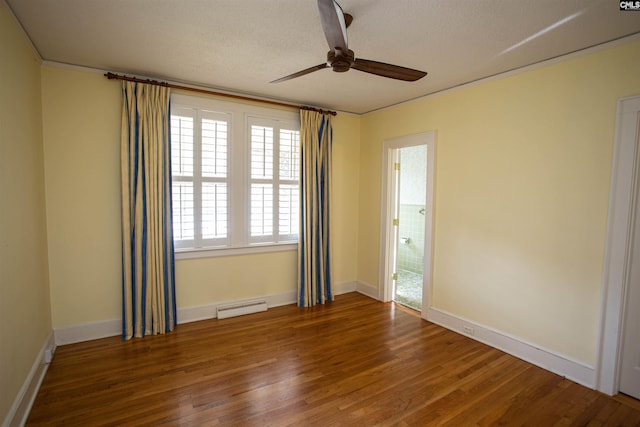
(388, 70)
(301, 73)
(333, 25)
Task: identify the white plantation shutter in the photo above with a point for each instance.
(182, 146)
(261, 152)
(214, 148)
(289, 155)
(261, 200)
(288, 200)
(261, 211)
(200, 163)
(214, 163)
(214, 210)
(274, 170)
(289, 193)
(183, 220)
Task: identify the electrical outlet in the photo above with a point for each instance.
(467, 329)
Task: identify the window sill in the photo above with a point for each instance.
(220, 252)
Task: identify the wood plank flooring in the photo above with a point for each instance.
(352, 362)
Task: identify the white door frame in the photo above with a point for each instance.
(387, 232)
(625, 169)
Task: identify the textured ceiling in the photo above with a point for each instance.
(242, 45)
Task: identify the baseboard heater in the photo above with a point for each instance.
(239, 309)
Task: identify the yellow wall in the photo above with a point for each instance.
(522, 185)
(346, 183)
(82, 147)
(25, 317)
(81, 116)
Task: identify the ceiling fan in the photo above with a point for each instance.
(340, 58)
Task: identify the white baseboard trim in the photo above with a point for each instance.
(345, 288)
(560, 364)
(88, 331)
(113, 327)
(368, 290)
(21, 407)
(210, 311)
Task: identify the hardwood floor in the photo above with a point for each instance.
(353, 362)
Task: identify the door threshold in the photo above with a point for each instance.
(406, 308)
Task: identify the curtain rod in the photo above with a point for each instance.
(112, 76)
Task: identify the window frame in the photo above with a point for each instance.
(240, 115)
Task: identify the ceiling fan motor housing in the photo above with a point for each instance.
(339, 61)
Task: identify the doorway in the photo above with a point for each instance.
(619, 360)
(407, 220)
(630, 343)
(410, 199)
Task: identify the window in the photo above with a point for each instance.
(274, 174)
(235, 175)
